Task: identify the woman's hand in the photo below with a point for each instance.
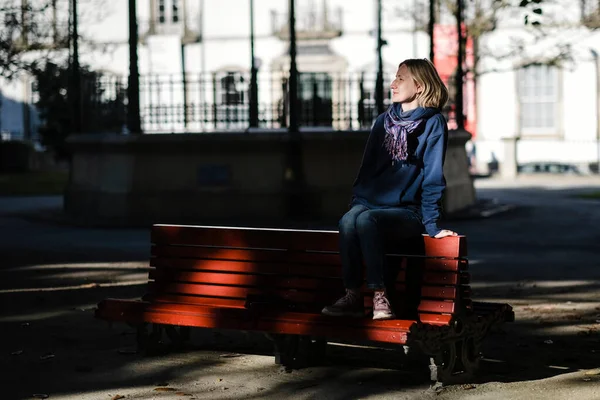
(444, 233)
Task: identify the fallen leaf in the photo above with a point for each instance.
(468, 386)
(233, 355)
(118, 397)
(593, 372)
(164, 389)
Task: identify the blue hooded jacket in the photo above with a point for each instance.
(417, 183)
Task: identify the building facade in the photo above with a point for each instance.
(194, 61)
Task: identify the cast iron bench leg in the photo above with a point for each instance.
(178, 335)
(455, 362)
(298, 351)
(151, 342)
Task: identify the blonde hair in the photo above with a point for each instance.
(435, 93)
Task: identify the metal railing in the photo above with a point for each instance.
(219, 101)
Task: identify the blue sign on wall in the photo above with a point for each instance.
(214, 175)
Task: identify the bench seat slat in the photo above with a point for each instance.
(391, 331)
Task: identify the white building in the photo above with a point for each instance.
(552, 110)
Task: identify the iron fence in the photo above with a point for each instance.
(219, 101)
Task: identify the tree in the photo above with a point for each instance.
(538, 20)
(36, 31)
(32, 32)
(103, 105)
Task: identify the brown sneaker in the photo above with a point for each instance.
(351, 305)
(381, 307)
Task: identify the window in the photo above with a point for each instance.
(175, 11)
(538, 98)
(314, 85)
(161, 12)
(314, 95)
(232, 89)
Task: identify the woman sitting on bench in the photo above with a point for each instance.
(399, 185)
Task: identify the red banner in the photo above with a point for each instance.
(445, 47)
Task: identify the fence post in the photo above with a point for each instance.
(214, 82)
(184, 84)
(379, 79)
(294, 179)
(133, 87)
(253, 109)
(285, 101)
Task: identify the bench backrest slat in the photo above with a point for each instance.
(249, 267)
(262, 255)
(286, 239)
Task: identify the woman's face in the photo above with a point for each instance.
(404, 88)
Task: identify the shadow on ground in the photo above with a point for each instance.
(541, 257)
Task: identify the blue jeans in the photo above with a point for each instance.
(362, 239)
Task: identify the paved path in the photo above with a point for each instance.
(541, 257)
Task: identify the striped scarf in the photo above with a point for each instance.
(396, 134)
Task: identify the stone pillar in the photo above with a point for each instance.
(460, 192)
(508, 168)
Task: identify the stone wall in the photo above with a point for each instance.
(222, 178)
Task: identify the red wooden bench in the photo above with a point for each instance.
(277, 281)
